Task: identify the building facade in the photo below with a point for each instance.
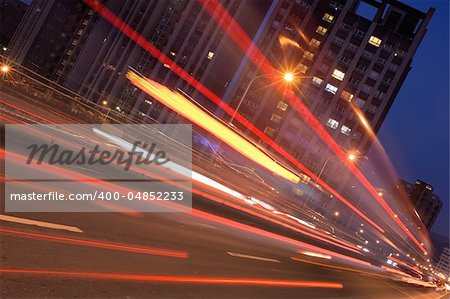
(181, 29)
(48, 36)
(426, 204)
(350, 59)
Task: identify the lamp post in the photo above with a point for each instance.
(351, 157)
(5, 69)
(287, 77)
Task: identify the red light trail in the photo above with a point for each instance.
(204, 215)
(211, 217)
(97, 244)
(338, 267)
(182, 279)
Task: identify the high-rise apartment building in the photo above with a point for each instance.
(350, 58)
(181, 29)
(49, 34)
(426, 204)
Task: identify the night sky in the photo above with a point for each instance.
(415, 133)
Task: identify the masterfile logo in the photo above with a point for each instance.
(85, 168)
(56, 155)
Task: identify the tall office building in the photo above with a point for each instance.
(182, 29)
(426, 204)
(350, 57)
(49, 34)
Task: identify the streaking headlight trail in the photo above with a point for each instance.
(190, 111)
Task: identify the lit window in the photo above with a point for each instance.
(345, 130)
(321, 30)
(269, 131)
(282, 105)
(360, 102)
(314, 42)
(210, 55)
(308, 55)
(375, 41)
(275, 118)
(327, 17)
(338, 75)
(347, 96)
(317, 81)
(331, 88)
(302, 68)
(332, 123)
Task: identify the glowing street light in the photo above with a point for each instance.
(5, 69)
(336, 213)
(287, 77)
(105, 103)
(351, 157)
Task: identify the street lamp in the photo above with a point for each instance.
(351, 157)
(5, 69)
(287, 77)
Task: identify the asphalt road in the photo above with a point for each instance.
(214, 251)
(209, 247)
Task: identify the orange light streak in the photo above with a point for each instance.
(190, 111)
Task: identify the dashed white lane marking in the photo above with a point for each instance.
(252, 257)
(40, 223)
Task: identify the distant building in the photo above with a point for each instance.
(440, 253)
(443, 264)
(48, 34)
(11, 12)
(426, 204)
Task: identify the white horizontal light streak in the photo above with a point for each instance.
(172, 165)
